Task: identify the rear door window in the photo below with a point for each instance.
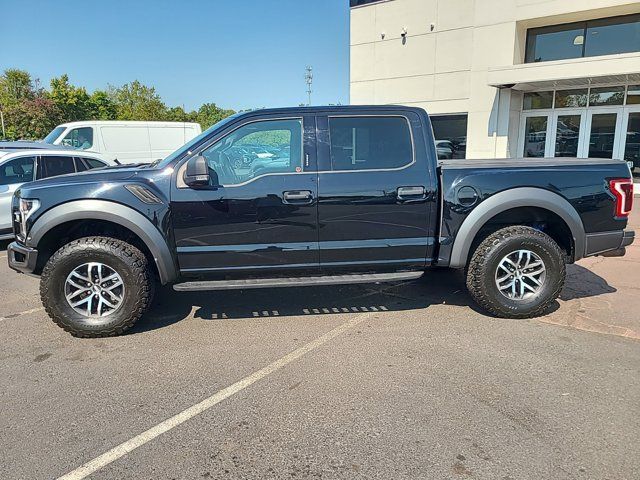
(54, 165)
(93, 163)
(370, 143)
(18, 170)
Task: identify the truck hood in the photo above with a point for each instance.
(99, 176)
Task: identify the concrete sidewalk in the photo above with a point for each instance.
(603, 294)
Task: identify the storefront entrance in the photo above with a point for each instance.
(582, 123)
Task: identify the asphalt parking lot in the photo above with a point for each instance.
(373, 381)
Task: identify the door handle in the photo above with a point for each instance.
(298, 196)
(411, 193)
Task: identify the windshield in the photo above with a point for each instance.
(54, 134)
(187, 146)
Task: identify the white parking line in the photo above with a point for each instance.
(26, 312)
(170, 423)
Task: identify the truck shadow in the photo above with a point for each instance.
(436, 287)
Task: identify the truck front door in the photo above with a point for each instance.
(259, 216)
(377, 202)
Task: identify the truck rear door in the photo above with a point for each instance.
(377, 206)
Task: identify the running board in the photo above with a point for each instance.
(295, 281)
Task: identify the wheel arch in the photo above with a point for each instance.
(512, 199)
(116, 213)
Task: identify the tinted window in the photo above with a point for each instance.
(79, 138)
(359, 143)
(606, 96)
(57, 165)
(357, 3)
(255, 149)
(450, 132)
(571, 98)
(605, 36)
(80, 165)
(18, 170)
(93, 163)
(536, 100)
(555, 43)
(612, 35)
(535, 137)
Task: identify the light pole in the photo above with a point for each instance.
(308, 78)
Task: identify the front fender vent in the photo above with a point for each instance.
(144, 194)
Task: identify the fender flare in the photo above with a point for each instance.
(115, 213)
(514, 198)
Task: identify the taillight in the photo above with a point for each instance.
(622, 189)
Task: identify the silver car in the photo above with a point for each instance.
(24, 165)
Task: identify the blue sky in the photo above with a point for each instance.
(237, 53)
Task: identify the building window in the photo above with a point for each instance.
(537, 100)
(357, 3)
(605, 36)
(450, 132)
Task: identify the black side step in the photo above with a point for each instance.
(295, 281)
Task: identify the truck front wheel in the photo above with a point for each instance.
(516, 272)
(96, 286)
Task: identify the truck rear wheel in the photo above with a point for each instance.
(96, 286)
(516, 272)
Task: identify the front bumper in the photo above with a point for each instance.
(22, 259)
(608, 243)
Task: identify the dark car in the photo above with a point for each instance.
(353, 195)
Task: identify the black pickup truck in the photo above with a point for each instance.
(313, 196)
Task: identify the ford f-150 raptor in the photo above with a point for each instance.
(336, 195)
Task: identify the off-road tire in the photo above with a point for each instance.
(130, 263)
(484, 262)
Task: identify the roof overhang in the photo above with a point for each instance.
(605, 70)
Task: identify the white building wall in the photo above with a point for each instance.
(450, 48)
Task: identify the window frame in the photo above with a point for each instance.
(44, 169)
(561, 27)
(33, 172)
(182, 167)
(75, 129)
(393, 169)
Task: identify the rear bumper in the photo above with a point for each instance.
(608, 242)
(22, 259)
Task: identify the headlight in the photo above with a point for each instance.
(26, 207)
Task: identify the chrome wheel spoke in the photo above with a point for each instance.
(520, 275)
(94, 289)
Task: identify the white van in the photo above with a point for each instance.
(124, 141)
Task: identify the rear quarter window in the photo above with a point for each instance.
(370, 143)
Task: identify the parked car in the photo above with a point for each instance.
(128, 142)
(361, 197)
(20, 166)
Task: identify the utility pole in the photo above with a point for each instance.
(2, 122)
(308, 78)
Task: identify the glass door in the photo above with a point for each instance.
(535, 141)
(603, 129)
(631, 136)
(567, 139)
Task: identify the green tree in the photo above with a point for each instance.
(15, 86)
(209, 114)
(178, 114)
(102, 107)
(135, 101)
(74, 102)
(32, 118)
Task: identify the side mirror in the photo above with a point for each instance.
(197, 173)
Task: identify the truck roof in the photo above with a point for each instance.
(334, 109)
